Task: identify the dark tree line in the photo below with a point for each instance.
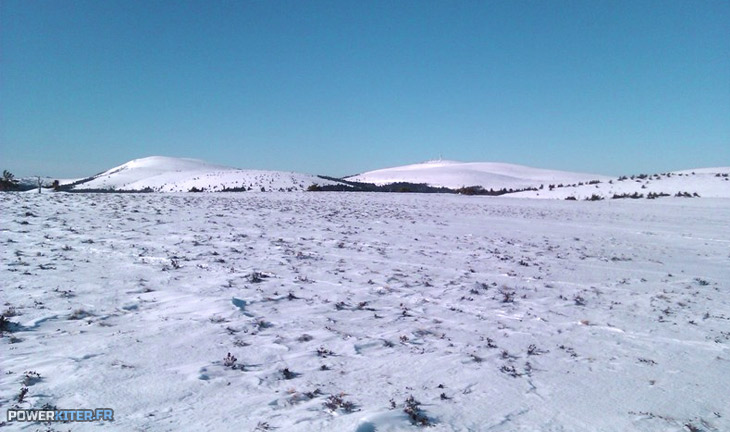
(404, 187)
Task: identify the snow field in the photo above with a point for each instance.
(495, 314)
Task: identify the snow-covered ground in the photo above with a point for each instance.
(495, 314)
(169, 174)
(454, 175)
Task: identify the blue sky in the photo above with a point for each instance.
(340, 87)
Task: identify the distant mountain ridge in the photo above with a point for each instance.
(170, 174)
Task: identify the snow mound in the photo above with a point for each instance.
(453, 174)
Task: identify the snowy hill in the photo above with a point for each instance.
(454, 174)
(705, 182)
(168, 174)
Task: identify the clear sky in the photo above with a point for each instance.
(340, 87)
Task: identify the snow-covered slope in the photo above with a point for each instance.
(168, 174)
(705, 182)
(453, 174)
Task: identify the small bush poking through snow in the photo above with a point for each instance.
(534, 350)
(510, 370)
(336, 402)
(262, 324)
(23, 393)
(230, 360)
(30, 378)
(508, 297)
(79, 314)
(5, 324)
(415, 413)
(262, 426)
(692, 428)
(324, 352)
(287, 374)
(256, 277)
